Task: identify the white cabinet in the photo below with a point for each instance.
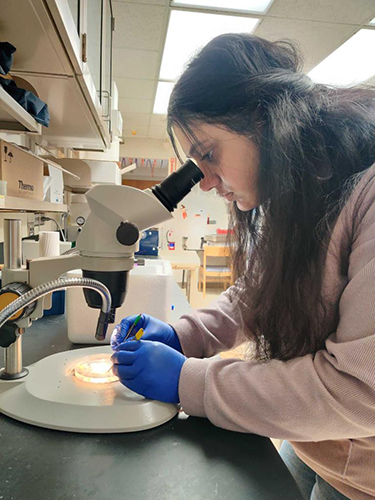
(60, 55)
(86, 28)
(28, 26)
(72, 119)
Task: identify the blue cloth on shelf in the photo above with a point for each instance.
(33, 105)
(6, 57)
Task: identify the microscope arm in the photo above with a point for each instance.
(45, 269)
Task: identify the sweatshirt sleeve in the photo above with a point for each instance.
(321, 396)
(206, 332)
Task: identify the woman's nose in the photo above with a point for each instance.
(210, 180)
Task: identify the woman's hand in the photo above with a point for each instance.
(151, 369)
(154, 329)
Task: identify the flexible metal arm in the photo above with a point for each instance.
(60, 284)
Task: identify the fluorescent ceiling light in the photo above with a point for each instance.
(163, 93)
(350, 64)
(258, 6)
(189, 31)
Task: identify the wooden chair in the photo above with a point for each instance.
(219, 273)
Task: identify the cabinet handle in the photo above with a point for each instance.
(84, 47)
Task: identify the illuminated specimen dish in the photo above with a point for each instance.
(95, 369)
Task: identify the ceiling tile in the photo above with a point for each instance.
(158, 121)
(316, 40)
(140, 131)
(157, 133)
(135, 88)
(130, 105)
(335, 11)
(139, 26)
(135, 119)
(135, 63)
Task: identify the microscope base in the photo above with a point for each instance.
(52, 397)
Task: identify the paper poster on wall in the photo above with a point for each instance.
(173, 165)
(183, 211)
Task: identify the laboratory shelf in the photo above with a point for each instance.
(13, 117)
(25, 205)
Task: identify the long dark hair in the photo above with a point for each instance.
(313, 140)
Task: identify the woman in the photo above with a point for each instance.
(294, 161)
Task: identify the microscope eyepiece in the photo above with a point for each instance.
(177, 185)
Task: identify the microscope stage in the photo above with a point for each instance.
(52, 396)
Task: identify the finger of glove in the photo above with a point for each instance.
(116, 337)
(120, 331)
(128, 372)
(153, 336)
(124, 357)
(127, 323)
(130, 345)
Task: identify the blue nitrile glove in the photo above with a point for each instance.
(151, 369)
(154, 329)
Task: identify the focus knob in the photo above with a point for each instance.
(11, 292)
(127, 233)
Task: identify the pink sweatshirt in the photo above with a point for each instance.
(324, 403)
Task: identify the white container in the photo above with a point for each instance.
(30, 249)
(117, 123)
(49, 244)
(104, 172)
(149, 291)
(53, 185)
(112, 153)
(116, 117)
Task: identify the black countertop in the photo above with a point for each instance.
(187, 458)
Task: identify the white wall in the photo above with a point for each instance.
(146, 148)
(197, 203)
(199, 206)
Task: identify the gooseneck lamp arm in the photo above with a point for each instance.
(61, 284)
